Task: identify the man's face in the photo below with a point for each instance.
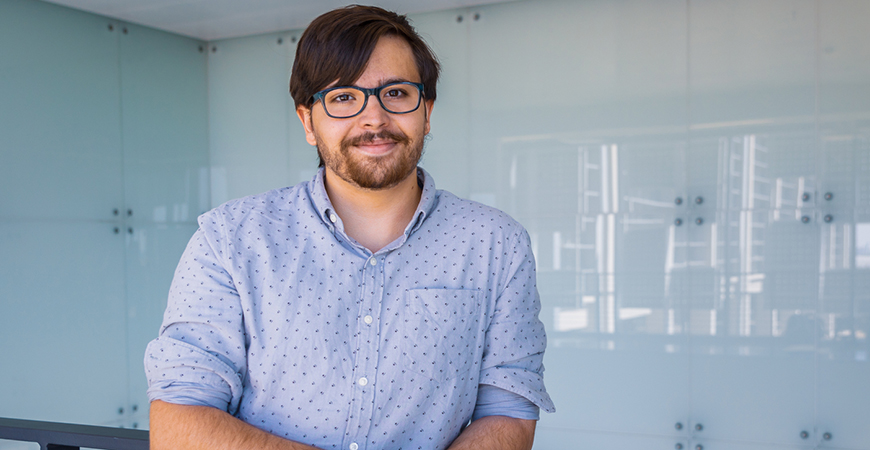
(375, 149)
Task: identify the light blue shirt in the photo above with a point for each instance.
(278, 317)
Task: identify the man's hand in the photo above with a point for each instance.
(202, 427)
(496, 433)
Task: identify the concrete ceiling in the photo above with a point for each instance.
(220, 19)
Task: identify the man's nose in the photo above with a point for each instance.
(374, 115)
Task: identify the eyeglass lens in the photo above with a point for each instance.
(395, 98)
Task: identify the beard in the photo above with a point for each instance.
(374, 172)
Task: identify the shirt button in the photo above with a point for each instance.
(363, 381)
(368, 319)
(354, 446)
(333, 218)
(373, 261)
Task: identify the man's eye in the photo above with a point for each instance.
(395, 93)
(342, 98)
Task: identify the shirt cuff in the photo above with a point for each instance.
(494, 401)
(521, 381)
(183, 374)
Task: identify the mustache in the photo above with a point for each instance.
(369, 137)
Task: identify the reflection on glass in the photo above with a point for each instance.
(583, 217)
(625, 247)
(862, 245)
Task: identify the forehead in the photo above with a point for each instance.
(391, 60)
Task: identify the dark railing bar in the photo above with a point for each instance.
(67, 436)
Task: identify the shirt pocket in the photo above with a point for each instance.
(444, 328)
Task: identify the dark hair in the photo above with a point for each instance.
(338, 44)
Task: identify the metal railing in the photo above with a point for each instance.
(67, 436)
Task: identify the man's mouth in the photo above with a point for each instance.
(376, 143)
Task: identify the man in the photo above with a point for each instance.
(363, 309)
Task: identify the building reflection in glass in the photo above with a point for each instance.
(728, 236)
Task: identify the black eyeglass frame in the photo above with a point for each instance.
(318, 96)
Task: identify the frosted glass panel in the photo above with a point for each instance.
(63, 300)
(256, 141)
(577, 129)
(762, 398)
(165, 123)
(752, 67)
(709, 444)
(752, 62)
(153, 251)
(559, 439)
(589, 70)
(844, 104)
(844, 60)
(752, 175)
(844, 304)
(617, 390)
(753, 327)
(66, 76)
(61, 140)
(446, 154)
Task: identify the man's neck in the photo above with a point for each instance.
(374, 218)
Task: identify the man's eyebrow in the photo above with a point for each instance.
(392, 80)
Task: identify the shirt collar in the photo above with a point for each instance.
(324, 207)
(427, 201)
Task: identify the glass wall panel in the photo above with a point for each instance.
(447, 155)
(709, 444)
(251, 115)
(164, 97)
(750, 162)
(153, 251)
(64, 356)
(60, 125)
(751, 65)
(751, 61)
(844, 294)
(77, 88)
(559, 439)
(577, 129)
(586, 69)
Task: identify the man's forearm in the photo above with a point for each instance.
(496, 433)
(201, 427)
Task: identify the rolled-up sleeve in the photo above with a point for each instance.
(199, 357)
(516, 340)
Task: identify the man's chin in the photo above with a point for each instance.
(376, 179)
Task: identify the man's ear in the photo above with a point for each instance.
(304, 114)
(428, 105)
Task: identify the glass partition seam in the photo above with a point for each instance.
(687, 136)
(124, 199)
(818, 152)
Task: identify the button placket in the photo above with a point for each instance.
(367, 348)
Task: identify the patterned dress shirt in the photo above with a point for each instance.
(276, 316)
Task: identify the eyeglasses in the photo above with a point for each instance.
(342, 102)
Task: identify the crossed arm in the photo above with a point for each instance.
(206, 428)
